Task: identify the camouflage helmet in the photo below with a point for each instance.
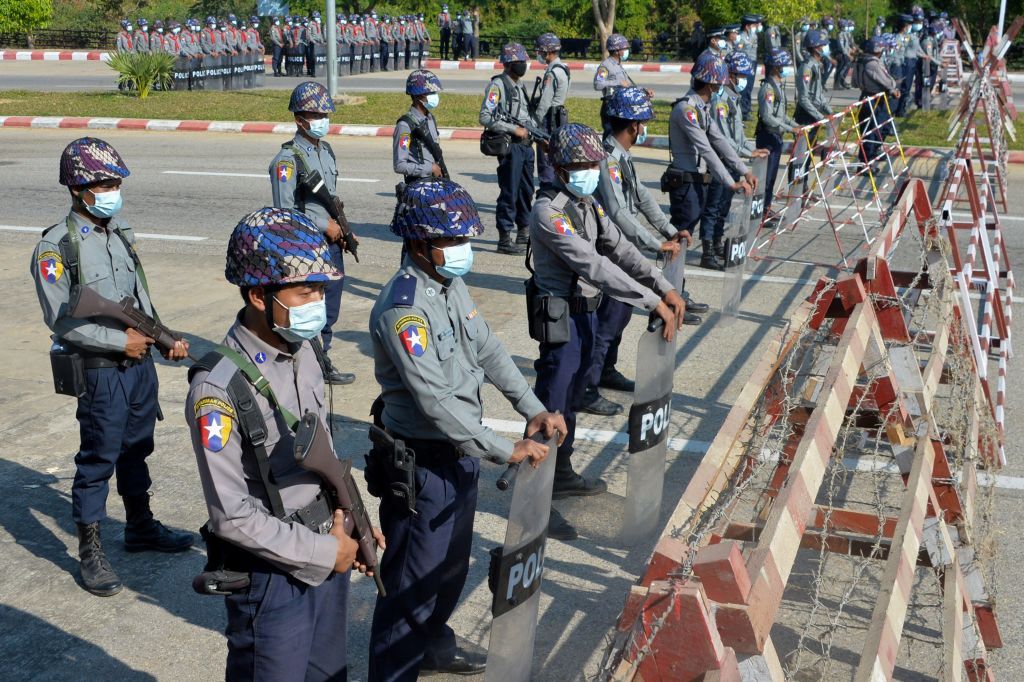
(211, 21)
(312, 97)
(158, 24)
(710, 68)
(125, 23)
(779, 58)
(548, 42)
(815, 38)
(576, 143)
(88, 160)
(276, 246)
(433, 209)
(873, 45)
(615, 42)
(422, 82)
(142, 22)
(739, 63)
(631, 104)
(513, 52)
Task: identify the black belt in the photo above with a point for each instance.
(318, 515)
(583, 304)
(693, 178)
(432, 453)
(107, 360)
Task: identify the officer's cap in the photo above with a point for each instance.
(631, 104)
(576, 143)
(88, 160)
(616, 42)
(311, 97)
(716, 33)
(750, 19)
(732, 28)
(548, 42)
(513, 52)
(434, 209)
(906, 19)
(422, 82)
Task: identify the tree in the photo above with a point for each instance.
(25, 16)
(604, 20)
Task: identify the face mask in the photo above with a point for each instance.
(160, 30)
(720, 44)
(642, 137)
(787, 71)
(146, 29)
(175, 31)
(760, 29)
(458, 261)
(825, 50)
(278, 23)
(582, 183)
(518, 69)
(625, 55)
(318, 127)
(917, 27)
(741, 84)
(805, 27)
(106, 205)
(433, 99)
(127, 28)
(304, 321)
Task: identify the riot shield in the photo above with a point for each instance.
(794, 197)
(353, 52)
(745, 216)
(320, 58)
(294, 61)
(180, 75)
(649, 417)
(260, 71)
(517, 569)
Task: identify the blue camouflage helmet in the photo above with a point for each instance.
(277, 246)
(88, 160)
(548, 42)
(710, 68)
(158, 24)
(211, 21)
(311, 97)
(889, 40)
(616, 42)
(814, 39)
(513, 52)
(253, 19)
(631, 104)
(576, 143)
(778, 58)
(125, 23)
(142, 22)
(232, 19)
(435, 209)
(739, 63)
(422, 82)
(873, 45)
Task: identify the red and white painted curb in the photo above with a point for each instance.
(343, 130)
(54, 56)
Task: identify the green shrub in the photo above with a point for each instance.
(142, 72)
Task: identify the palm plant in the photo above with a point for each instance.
(142, 72)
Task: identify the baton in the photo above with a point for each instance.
(654, 323)
(506, 480)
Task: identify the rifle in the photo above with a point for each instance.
(313, 183)
(84, 303)
(315, 452)
(535, 132)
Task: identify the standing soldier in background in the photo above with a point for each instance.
(444, 25)
(733, 39)
(141, 39)
(125, 38)
(373, 36)
(457, 36)
(469, 23)
(716, 42)
(899, 68)
(297, 40)
(172, 41)
(424, 40)
(844, 54)
(772, 41)
(312, 29)
(751, 28)
(190, 40)
(232, 37)
(773, 119)
(811, 104)
(828, 64)
(415, 139)
(879, 27)
(610, 76)
(108, 367)
(548, 107)
(387, 49)
(277, 44)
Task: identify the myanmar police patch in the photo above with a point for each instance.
(691, 116)
(51, 267)
(412, 331)
(562, 225)
(403, 141)
(215, 429)
(284, 170)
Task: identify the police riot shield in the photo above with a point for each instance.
(320, 58)
(649, 418)
(517, 569)
(259, 70)
(745, 214)
(794, 190)
(294, 61)
(181, 73)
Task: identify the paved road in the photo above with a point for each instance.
(188, 191)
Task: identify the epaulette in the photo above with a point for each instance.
(403, 292)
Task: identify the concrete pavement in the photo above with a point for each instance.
(185, 194)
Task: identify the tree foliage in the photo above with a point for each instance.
(25, 16)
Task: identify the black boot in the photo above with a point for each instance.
(507, 247)
(142, 531)
(614, 379)
(332, 375)
(523, 235)
(691, 305)
(97, 575)
(707, 258)
(594, 403)
(719, 249)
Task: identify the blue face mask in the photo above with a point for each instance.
(433, 99)
(304, 321)
(318, 127)
(720, 44)
(107, 204)
(741, 84)
(642, 137)
(458, 260)
(582, 183)
(825, 50)
(787, 71)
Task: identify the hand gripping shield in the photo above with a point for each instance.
(745, 216)
(517, 568)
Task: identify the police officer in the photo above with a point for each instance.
(210, 40)
(229, 29)
(749, 32)
(913, 55)
(578, 254)
(277, 43)
(548, 107)
(899, 63)
(469, 45)
(289, 622)
(697, 147)
(725, 111)
(610, 74)
(141, 39)
(432, 351)
(798, 41)
(308, 151)
(733, 40)
(156, 38)
(295, 55)
(811, 104)
(874, 118)
(444, 25)
(125, 38)
(844, 52)
(773, 119)
(716, 42)
(772, 39)
(504, 110)
(253, 42)
(828, 64)
(190, 39)
(172, 41)
(373, 36)
(879, 27)
(457, 36)
(415, 133)
(117, 405)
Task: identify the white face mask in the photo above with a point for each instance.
(318, 127)
(433, 99)
(625, 55)
(720, 44)
(741, 84)
(582, 183)
(787, 71)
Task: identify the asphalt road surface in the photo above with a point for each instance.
(185, 194)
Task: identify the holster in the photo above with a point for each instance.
(68, 372)
(227, 567)
(547, 316)
(391, 469)
(674, 178)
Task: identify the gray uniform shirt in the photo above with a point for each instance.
(810, 90)
(141, 41)
(874, 78)
(772, 108)
(277, 36)
(432, 350)
(554, 90)
(697, 145)
(729, 120)
(190, 43)
(610, 74)
(748, 43)
(156, 42)
(316, 35)
(624, 198)
(236, 499)
(284, 175)
(498, 100)
(597, 252)
(772, 39)
(410, 157)
(913, 47)
(210, 41)
(231, 39)
(105, 266)
(124, 42)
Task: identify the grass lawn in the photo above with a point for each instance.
(927, 129)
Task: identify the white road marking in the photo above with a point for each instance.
(144, 235)
(254, 175)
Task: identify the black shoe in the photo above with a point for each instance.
(594, 403)
(560, 529)
(719, 249)
(97, 575)
(614, 380)
(577, 486)
(694, 307)
(692, 318)
(335, 377)
(142, 531)
(462, 663)
(709, 262)
(507, 247)
(523, 235)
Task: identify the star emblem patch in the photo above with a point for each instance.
(691, 115)
(50, 266)
(412, 331)
(562, 225)
(403, 141)
(215, 429)
(285, 170)
(613, 172)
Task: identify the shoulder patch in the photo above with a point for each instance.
(807, 76)
(284, 170)
(216, 404)
(602, 72)
(613, 171)
(493, 96)
(403, 141)
(403, 291)
(215, 430)
(722, 109)
(690, 113)
(412, 331)
(548, 80)
(562, 224)
(600, 208)
(769, 96)
(51, 267)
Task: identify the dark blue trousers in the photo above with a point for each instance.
(773, 143)
(424, 570)
(332, 296)
(545, 170)
(283, 630)
(873, 132)
(686, 204)
(907, 86)
(116, 418)
(717, 201)
(745, 97)
(278, 56)
(563, 372)
(311, 59)
(515, 189)
(612, 318)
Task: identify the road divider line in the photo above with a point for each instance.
(253, 175)
(143, 235)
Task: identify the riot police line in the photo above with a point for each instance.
(228, 72)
